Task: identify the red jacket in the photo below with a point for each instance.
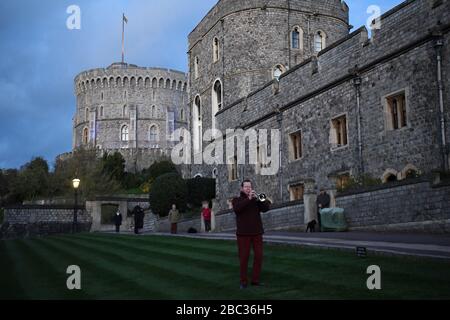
(248, 215)
(206, 212)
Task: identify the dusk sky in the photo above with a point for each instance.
(40, 57)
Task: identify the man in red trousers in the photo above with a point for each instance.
(249, 231)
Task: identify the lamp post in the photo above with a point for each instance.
(76, 184)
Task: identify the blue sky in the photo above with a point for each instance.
(40, 57)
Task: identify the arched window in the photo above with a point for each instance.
(196, 67)
(216, 49)
(85, 136)
(154, 134)
(124, 133)
(174, 85)
(161, 83)
(101, 111)
(153, 112)
(124, 111)
(147, 82)
(168, 84)
(297, 38)
(216, 101)
(154, 83)
(197, 124)
(182, 114)
(319, 41)
(214, 173)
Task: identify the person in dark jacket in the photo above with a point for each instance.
(138, 219)
(323, 201)
(118, 220)
(249, 231)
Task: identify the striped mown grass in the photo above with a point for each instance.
(156, 267)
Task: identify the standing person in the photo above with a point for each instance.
(174, 217)
(118, 220)
(249, 231)
(206, 214)
(323, 201)
(138, 219)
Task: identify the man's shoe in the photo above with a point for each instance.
(243, 286)
(257, 284)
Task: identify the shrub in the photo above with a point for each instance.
(360, 182)
(166, 190)
(200, 189)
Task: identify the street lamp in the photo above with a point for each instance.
(76, 184)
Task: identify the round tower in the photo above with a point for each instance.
(241, 45)
(130, 109)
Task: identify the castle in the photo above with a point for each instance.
(345, 104)
(131, 110)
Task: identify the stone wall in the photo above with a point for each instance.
(35, 220)
(401, 56)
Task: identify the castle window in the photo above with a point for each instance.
(297, 38)
(102, 96)
(85, 136)
(125, 95)
(101, 111)
(233, 169)
(261, 158)
(182, 114)
(147, 82)
(154, 134)
(338, 134)
(154, 83)
(153, 111)
(215, 50)
(295, 146)
(296, 192)
(319, 41)
(214, 173)
(197, 124)
(342, 180)
(124, 111)
(396, 115)
(161, 83)
(196, 66)
(124, 133)
(170, 124)
(168, 84)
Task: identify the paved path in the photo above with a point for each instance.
(423, 245)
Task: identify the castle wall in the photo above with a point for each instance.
(399, 56)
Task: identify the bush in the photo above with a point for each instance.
(360, 182)
(157, 169)
(200, 189)
(168, 189)
(2, 215)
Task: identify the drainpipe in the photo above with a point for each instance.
(357, 84)
(280, 153)
(438, 46)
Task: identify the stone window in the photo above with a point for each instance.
(261, 158)
(319, 41)
(295, 146)
(342, 180)
(296, 192)
(102, 96)
(154, 134)
(196, 66)
(396, 114)
(197, 124)
(216, 101)
(161, 83)
(154, 83)
(174, 84)
(297, 38)
(233, 169)
(101, 111)
(216, 48)
(182, 114)
(168, 84)
(170, 124)
(85, 136)
(153, 111)
(124, 133)
(214, 173)
(124, 111)
(338, 132)
(125, 95)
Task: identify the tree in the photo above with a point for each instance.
(168, 189)
(157, 169)
(114, 165)
(201, 189)
(32, 181)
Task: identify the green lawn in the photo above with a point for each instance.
(154, 267)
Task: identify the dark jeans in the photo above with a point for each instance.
(244, 244)
(117, 228)
(207, 225)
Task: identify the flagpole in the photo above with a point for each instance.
(123, 36)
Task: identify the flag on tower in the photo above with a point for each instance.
(125, 19)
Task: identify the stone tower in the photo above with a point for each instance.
(240, 46)
(130, 109)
